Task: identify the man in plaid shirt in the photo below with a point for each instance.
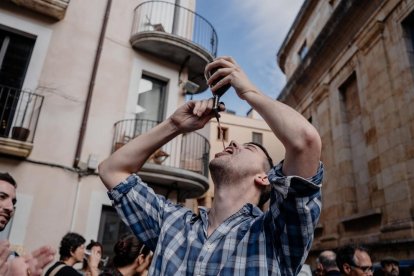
(234, 237)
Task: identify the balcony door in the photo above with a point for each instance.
(151, 103)
(15, 53)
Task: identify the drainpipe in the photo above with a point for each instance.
(91, 86)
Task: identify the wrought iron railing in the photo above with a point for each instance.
(19, 113)
(189, 151)
(173, 19)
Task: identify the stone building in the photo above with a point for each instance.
(78, 79)
(349, 66)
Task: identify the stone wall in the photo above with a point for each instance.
(360, 91)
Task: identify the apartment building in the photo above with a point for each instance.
(78, 79)
(349, 69)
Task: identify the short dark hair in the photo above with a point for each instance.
(265, 193)
(127, 249)
(8, 178)
(69, 243)
(269, 159)
(389, 260)
(346, 255)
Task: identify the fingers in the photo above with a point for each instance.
(203, 108)
(42, 256)
(224, 62)
(32, 265)
(4, 254)
(219, 74)
(19, 266)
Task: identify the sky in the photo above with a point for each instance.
(251, 31)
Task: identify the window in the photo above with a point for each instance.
(224, 131)
(303, 51)
(151, 99)
(111, 229)
(257, 138)
(408, 25)
(15, 54)
(354, 145)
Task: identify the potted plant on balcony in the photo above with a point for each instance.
(18, 131)
(124, 139)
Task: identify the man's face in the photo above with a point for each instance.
(7, 202)
(79, 253)
(391, 269)
(363, 264)
(245, 159)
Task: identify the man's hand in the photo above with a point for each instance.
(30, 264)
(39, 259)
(229, 73)
(193, 115)
(4, 255)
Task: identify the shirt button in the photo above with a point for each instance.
(201, 258)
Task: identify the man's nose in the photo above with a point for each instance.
(234, 144)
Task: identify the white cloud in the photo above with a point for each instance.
(252, 32)
(267, 24)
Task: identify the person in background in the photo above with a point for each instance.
(91, 262)
(390, 266)
(234, 237)
(326, 264)
(354, 260)
(132, 258)
(71, 251)
(10, 263)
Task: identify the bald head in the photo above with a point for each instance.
(326, 261)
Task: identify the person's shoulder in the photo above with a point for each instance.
(51, 268)
(68, 271)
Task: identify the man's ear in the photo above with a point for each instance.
(261, 180)
(347, 268)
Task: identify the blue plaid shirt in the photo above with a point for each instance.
(249, 242)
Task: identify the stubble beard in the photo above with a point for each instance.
(219, 170)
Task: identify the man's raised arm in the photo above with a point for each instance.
(300, 139)
(130, 158)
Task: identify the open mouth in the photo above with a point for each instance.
(226, 151)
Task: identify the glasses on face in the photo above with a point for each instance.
(365, 269)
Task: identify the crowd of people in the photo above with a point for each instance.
(131, 257)
(234, 236)
(355, 260)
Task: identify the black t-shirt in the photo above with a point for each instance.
(64, 271)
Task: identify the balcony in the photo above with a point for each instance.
(52, 8)
(181, 164)
(19, 113)
(176, 34)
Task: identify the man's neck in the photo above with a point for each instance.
(227, 201)
(70, 261)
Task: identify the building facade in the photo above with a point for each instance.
(349, 69)
(78, 79)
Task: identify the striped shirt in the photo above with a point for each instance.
(249, 242)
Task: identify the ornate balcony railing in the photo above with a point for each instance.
(19, 113)
(188, 151)
(176, 20)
